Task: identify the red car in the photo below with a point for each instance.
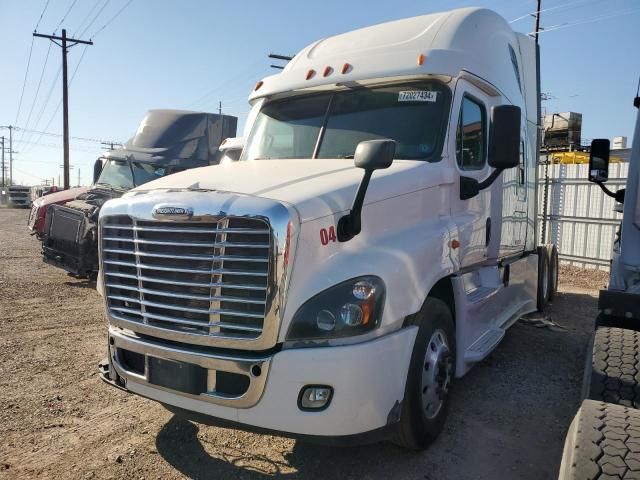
(40, 206)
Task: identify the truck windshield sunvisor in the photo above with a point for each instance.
(330, 125)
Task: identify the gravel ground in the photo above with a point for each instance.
(508, 418)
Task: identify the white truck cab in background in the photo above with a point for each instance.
(375, 240)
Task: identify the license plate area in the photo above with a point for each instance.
(180, 376)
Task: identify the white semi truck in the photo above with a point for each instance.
(603, 441)
(375, 240)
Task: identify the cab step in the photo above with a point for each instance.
(484, 345)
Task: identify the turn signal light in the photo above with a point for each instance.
(310, 74)
(258, 85)
(345, 68)
(327, 71)
(421, 58)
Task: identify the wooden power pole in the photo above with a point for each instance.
(537, 21)
(66, 43)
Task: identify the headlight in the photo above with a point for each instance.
(350, 308)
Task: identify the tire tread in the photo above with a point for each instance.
(603, 442)
(615, 367)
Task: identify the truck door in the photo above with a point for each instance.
(468, 139)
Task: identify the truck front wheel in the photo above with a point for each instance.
(424, 408)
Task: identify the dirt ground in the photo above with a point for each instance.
(508, 418)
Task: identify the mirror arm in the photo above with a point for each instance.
(470, 187)
(618, 196)
(350, 225)
(490, 179)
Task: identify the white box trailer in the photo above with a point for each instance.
(375, 240)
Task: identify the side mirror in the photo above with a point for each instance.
(370, 155)
(599, 160)
(504, 137)
(97, 169)
(504, 148)
(374, 154)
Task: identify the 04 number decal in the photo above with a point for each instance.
(327, 235)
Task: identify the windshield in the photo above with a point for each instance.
(125, 175)
(330, 125)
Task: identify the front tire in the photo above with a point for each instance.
(431, 371)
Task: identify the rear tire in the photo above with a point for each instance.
(554, 271)
(602, 442)
(431, 371)
(543, 278)
(614, 367)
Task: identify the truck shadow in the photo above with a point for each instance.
(508, 419)
(179, 444)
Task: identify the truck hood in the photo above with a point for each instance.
(316, 188)
(62, 196)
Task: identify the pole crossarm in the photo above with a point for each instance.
(68, 39)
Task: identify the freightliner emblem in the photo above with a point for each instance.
(173, 212)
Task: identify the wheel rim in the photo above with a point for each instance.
(436, 374)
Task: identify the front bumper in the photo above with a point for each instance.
(368, 381)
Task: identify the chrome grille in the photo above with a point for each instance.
(208, 279)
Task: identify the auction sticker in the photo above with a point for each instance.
(417, 96)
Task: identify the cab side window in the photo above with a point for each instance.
(471, 134)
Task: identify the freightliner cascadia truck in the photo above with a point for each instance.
(375, 240)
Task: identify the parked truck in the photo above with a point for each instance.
(19, 196)
(603, 440)
(375, 241)
(167, 141)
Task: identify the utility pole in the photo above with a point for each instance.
(2, 161)
(537, 21)
(78, 177)
(10, 157)
(67, 42)
(220, 108)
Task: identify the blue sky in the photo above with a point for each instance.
(194, 53)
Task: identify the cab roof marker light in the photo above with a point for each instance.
(327, 71)
(258, 85)
(310, 74)
(421, 58)
(345, 68)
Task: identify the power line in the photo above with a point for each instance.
(59, 135)
(545, 10)
(35, 98)
(47, 98)
(24, 82)
(65, 15)
(112, 18)
(94, 18)
(87, 16)
(206, 98)
(42, 14)
(53, 115)
(596, 18)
